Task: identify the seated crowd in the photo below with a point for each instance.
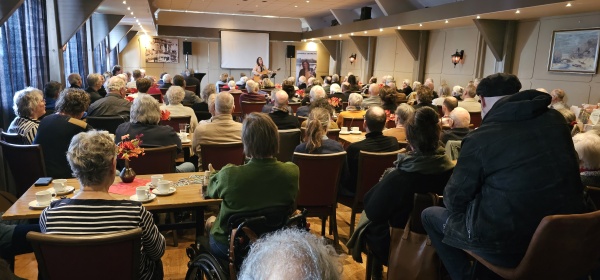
(507, 178)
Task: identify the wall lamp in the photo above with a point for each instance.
(457, 57)
(352, 58)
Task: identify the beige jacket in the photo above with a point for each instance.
(222, 129)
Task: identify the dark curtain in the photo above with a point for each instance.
(75, 55)
(23, 54)
(100, 57)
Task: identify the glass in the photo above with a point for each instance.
(183, 127)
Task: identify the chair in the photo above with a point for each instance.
(390, 124)
(289, 139)
(13, 138)
(104, 256)
(163, 90)
(352, 122)
(175, 121)
(319, 179)
(344, 105)
(249, 107)
(302, 119)
(159, 160)
(202, 115)
(109, 124)
(191, 88)
(26, 163)
(370, 168)
(562, 247)
(295, 106)
(594, 194)
(475, 119)
(333, 134)
(237, 110)
(220, 155)
(440, 111)
(158, 97)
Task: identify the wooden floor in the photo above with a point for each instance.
(175, 260)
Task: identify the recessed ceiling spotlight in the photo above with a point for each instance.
(365, 32)
(399, 27)
(304, 40)
(295, 6)
(420, 25)
(569, 4)
(518, 11)
(340, 35)
(330, 37)
(478, 17)
(129, 8)
(137, 20)
(380, 29)
(307, 1)
(352, 34)
(124, 2)
(446, 21)
(132, 13)
(312, 39)
(134, 17)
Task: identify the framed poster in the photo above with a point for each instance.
(574, 51)
(306, 65)
(163, 50)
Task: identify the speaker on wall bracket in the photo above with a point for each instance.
(187, 48)
(291, 51)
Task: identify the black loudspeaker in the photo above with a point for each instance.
(291, 51)
(187, 48)
(365, 13)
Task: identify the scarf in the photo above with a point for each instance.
(276, 109)
(430, 163)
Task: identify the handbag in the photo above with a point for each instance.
(412, 256)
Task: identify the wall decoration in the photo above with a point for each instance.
(163, 50)
(574, 51)
(306, 64)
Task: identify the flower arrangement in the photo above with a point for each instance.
(278, 86)
(129, 98)
(334, 102)
(300, 93)
(130, 148)
(390, 116)
(164, 115)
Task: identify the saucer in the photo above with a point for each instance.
(186, 141)
(172, 190)
(135, 198)
(344, 132)
(150, 185)
(67, 190)
(356, 132)
(34, 205)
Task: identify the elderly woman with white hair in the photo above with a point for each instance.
(175, 95)
(253, 95)
(92, 210)
(354, 109)
(29, 106)
(145, 116)
(403, 113)
(587, 145)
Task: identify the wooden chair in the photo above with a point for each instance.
(288, 140)
(352, 122)
(191, 88)
(109, 124)
(26, 163)
(294, 106)
(103, 256)
(302, 119)
(594, 194)
(156, 160)
(370, 168)
(163, 90)
(220, 155)
(158, 97)
(13, 138)
(319, 179)
(344, 105)
(390, 124)
(175, 121)
(202, 115)
(562, 247)
(475, 119)
(237, 110)
(249, 107)
(333, 134)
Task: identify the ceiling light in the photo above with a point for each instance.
(307, 1)
(478, 17)
(134, 17)
(124, 2)
(137, 20)
(352, 34)
(129, 8)
(329, 37)
(365, 32)
(304, 40)
(295, 6)
(399, 27)
(518, 12)
(446, 21)
(380, 29)
(420, 24)
(312, 39)
(569, 4)
(340, 35)
(132, 13)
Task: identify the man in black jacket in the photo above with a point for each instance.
(516, 168)
(280, 114)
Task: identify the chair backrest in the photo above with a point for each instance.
(191, 88)
(159, 160)
(26, 163)
(13, 138)
(475, 119)
(352, 122)
(175, 121)
(370, 168)
(157, 96)
(249, 107)
(109, 124)
(202, 115)
(163, 90)
(220, 155)
(420, 202)
(6, 200)
(333, 134)
(105, 256)
(295, 106)
(390, 124)
(319, 178)
(301, 119)
(237, 111)
(344, 105)
(594, 194)
(288, 140)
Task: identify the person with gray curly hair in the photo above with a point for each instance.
(29, 106)
(175, 95)
(207, 91)
(93, 210)
(291, 254)
(354, 109)
(56, 131)
(114, 103)
(403, 113)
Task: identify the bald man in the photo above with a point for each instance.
(280, 112)
(222, 128)
(459, 123)
(373, 99)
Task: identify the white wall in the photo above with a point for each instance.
(392, 58)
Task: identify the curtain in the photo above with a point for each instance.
(23, 54)
(75, 56)
(100, 57)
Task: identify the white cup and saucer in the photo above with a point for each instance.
(42, 200)
(154, 183)
(184, 137)
(344, 130)
(356, 130)
(164, 188)
(143, 194)
(59, 186)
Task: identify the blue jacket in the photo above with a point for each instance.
(517, 168)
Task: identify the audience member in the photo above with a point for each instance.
(587, 146)
(93, 210)
(288, 87)
(444, 92)
(137, 74)
(222, 129)
(57, 130)
(233, 88)
(429, 83)
(175, 95)
(211, 108)
(558, 96)
(51, 91)
(327, 84)
(244, 188)
(222, 81)
(457, 92)
(374, 123)
(388, 98)
(74, 80)
(447, 107)
(167, 81)
(315, 138)
(353, 81)
(496, 196)
(354, 109)
(412, 97)
(242, 81)
(114, 104)
(29, 106)
(335, 79)
(190, 80)
(280, 112)
(403, 113)
(116, 70)
(323, 103)
(207, 91)
(291, 254)
(94, 82)
(252, 95)
(374, 99)
(302, 82)
(459, 125)
(316, 93)
(160, 81)
(190, 96)
(423, 98)
(336, 92)
(468, 100)
(406, 89)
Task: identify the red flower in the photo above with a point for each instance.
(129, 98)
(165, 115)
(130, 149)
(334, 101)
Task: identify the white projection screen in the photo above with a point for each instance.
(239, 50)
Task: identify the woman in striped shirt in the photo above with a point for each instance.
(92, 210)
(29, 105)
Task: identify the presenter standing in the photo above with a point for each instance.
(259, 69)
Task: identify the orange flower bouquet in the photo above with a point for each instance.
(164, 115)
(128, 149)
(334, 102)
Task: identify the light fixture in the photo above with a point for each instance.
(569, 4)
(380, 29)
(132, 13)
(478, 17)
(457, 57)
(518, 11)
(352, 34)
(352, 58)
(124, 2)
(312, 39)
(340, 35)
(446, 21)
(129, 8)
(399, 27)
(420, 25)
(329, 36)
(365, 32)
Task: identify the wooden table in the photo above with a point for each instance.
(185, 198)
(347, 139)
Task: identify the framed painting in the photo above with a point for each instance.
(163, 50)
(574, 51)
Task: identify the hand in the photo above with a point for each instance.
(210, 168)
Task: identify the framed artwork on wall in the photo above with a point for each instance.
(574, 51)
(163, 50)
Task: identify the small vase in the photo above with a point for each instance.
(127, 175)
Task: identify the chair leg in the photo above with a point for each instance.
(323, 220)
(172, 218)
(333, 225)
(352, 221)
(369, 265)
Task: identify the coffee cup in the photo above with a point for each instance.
(164, 186)
(355, 128)
(344, 129)
(43, 198)
(183, 135)
(143, 193)
(155, 179)
(59, 185)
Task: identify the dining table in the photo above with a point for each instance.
(350, 138)
(187, 196)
